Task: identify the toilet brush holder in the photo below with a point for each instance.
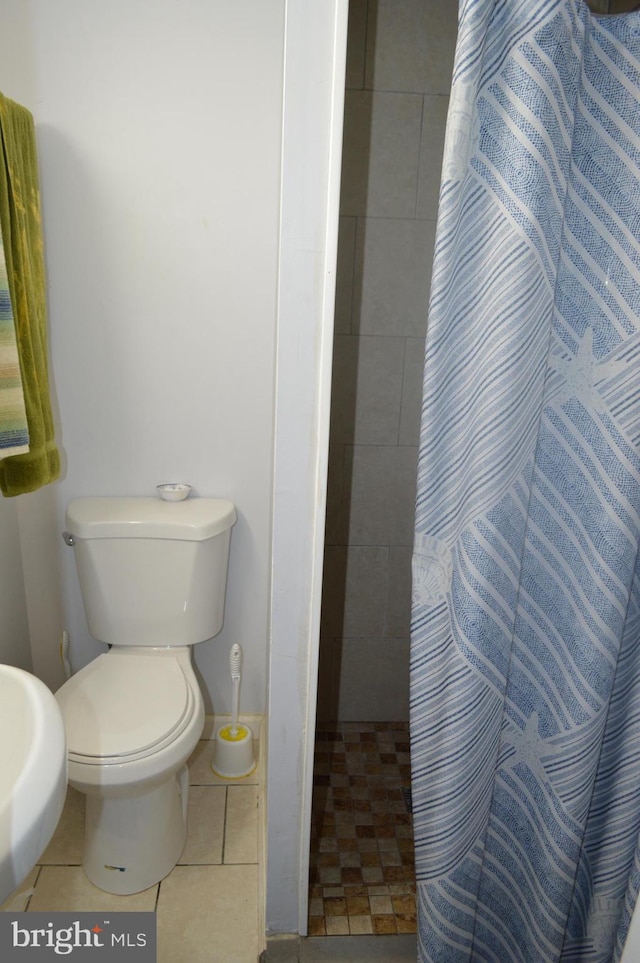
(233, 754)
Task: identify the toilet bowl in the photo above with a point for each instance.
(134, 715)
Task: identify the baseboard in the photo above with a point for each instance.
(355, 949)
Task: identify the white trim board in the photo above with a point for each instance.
(315, 56)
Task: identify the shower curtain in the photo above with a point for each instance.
(525, 662)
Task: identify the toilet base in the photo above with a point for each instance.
(132, 842)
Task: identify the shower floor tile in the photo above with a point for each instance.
(362, 877)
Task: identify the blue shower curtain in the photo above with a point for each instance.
(525, 664)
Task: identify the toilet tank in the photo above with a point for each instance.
(152, 572)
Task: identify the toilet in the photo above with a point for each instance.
(153, 580)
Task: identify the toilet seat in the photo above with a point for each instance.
(120, 709)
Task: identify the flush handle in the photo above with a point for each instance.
(68, 538)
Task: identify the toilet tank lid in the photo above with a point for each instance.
(194, 519)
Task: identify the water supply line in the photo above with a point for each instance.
(64, 653)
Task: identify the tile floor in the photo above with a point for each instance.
(207, 907)
(362, 877)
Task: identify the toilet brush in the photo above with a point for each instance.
(233, 755)
(235, 663)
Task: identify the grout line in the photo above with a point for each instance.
(224, 824)
(219, 862)
(352, 281)
(33, 888)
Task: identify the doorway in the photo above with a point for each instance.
(399, 65)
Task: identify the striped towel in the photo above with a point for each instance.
(21, 231)
(14, 434)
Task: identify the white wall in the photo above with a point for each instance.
(159, 130)
(17, 72)
(14, 626)
(159, 137)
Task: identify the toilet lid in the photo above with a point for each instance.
(123, 706)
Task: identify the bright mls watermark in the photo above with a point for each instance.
(78, 937)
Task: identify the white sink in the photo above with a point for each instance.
(33, 773)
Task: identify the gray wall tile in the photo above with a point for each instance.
(381, 482)
(410, 45)
(326, 709)
(412, 391)
(393, 138)
(356, 44)
(334, 577)
(355, 590)
(392, 276)
(336, 515)
(374, 680)
(380, 156)
(343, 388)
(344, 275)
(365, 590)
(367, 390)
(397, 46)
(397, 621)
(434, 123)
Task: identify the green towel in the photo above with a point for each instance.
(21, 228)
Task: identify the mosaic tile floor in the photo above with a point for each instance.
(362, 876)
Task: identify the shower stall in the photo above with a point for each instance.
(399, 64)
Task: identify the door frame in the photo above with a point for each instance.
(313, 85)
